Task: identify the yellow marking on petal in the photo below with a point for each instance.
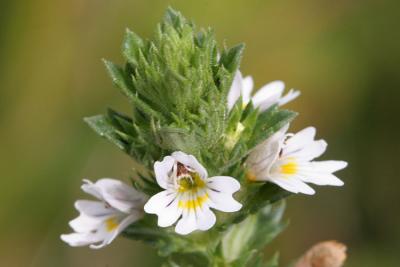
(289, 168)
(193, 203)
(111, 224)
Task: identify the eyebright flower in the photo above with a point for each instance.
(265, 97)
(101, 221)
(286, 160)
(189, 194)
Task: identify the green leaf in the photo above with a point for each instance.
(230, 58)
(103, 127)
(119, 78)
(242, 242)
(269, 122)
(131, 47)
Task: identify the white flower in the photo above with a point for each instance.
(101, 221)
(189, 194)
(286, 160)
(265, 97)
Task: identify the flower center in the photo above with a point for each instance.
(188, 180)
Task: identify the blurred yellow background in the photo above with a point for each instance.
(343, 55)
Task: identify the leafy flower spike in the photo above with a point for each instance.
(100, 222)
(190, 193)
(286, 160)
(265, 97)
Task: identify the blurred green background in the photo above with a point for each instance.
(343, 55)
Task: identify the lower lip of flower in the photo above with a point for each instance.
(193, 203)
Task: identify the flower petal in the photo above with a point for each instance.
(247, 88)
(187, 224)
(292, 94)
(165, 205)
(93, 208)
(224, 184)
(205, 218)
(328, 165)
(223, 201)
(85, 224)
(308, 152)
(91, 189)
(235, 90)
(162, 170)
(120, 196)
(293, 185)
(169, 215)
(268, 95)
(322, 179)
(299, 140)
(190, 161)
(81, 239)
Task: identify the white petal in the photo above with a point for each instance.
(128, 220)
(159, 201)
(268, 95)
(77, 240)
(322, 179)
(299, 140)
(293, 185)
(81, 239)
(329, 166)
(320, 172)
(131, 218)
(292, 94)
(91, 189)
(223, 202)
(165, 205)
(169, 215)
(191, 162)
(224, 184)
(188, 223)
(308, 152)
(119, 195)
(235, 90)
(162, 170)
(205, 218)
(93, 208)
(85, 224)
(247, 88)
